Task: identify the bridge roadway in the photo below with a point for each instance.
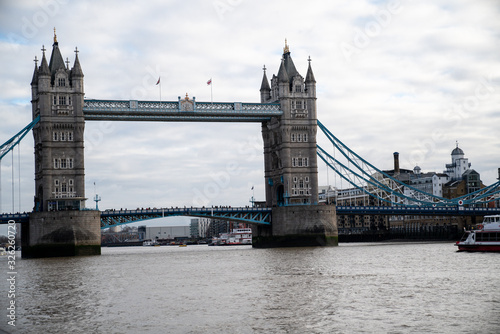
(181, 111)
(262, 215)
(245, 215)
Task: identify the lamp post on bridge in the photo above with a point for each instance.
(97, 199)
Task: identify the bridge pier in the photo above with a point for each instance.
(298, 226)
(61, 233)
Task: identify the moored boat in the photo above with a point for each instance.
(150, 243)
(239, 236)
(484, 237)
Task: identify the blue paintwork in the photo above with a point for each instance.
(12, 142)
(245, 215)
(170, 111)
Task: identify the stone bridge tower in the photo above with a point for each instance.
(291, 168)
(58, 226)
(290, 162)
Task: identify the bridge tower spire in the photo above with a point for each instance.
(290, 162)
(291, 169)
(57, 97)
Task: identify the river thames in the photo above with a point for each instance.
(353, 288)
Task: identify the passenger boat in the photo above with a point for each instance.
(150, 243)
(239, 236)
(485, 237)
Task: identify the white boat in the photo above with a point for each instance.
(484, 237)
(239, 236)
(3, 251)
(150, 243)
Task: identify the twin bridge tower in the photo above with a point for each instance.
(60, 227)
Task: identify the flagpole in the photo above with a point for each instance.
(209, 82)
(158, 83)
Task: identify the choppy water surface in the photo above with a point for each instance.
(353, 288)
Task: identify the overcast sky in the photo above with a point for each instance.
(406, 76)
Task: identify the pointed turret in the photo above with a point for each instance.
(291, 71)
(76, 76)
(44, 67)
(310, 76)
(43, 74)
(76, 71)
(310, 81)
(34, 80)
(282, 74)
(56, 59)
(265, 89)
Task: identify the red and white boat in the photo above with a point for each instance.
(485, 237)
(239, 236)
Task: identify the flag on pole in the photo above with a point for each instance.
(158, 82)
(209, 82)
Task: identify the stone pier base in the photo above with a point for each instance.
(61, 233)
(298, 226)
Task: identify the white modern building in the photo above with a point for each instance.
(167, 232)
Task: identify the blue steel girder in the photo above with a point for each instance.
(16, 217)
(378, 184)
(111, 218)
(12, 142)
(419, 210)
(179, 111)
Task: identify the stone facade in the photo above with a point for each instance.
(290, 164)
(62, 233)
(298, 226)
(290, 160)
(58, 225)
(57, 97)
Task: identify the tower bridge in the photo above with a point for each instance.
(60, 225)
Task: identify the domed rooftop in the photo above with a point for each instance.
(417, 170)
(457, 151)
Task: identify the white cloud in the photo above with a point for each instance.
(416, 75)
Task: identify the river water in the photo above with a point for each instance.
(353, 288)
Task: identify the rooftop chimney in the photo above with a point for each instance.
(396, 163)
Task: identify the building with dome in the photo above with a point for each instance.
(459, 164)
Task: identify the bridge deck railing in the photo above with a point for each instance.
(176, 110)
